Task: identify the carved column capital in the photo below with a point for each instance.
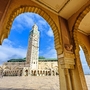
(67, 60)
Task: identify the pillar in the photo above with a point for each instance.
(71, 75)
(65, 63)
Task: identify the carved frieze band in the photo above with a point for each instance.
(39, 11)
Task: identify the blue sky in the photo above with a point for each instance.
(84, 63)
(15, 46)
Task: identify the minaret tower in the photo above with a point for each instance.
(33, 48)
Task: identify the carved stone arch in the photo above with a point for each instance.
(36, 10)
(76, 25)
(80, 73)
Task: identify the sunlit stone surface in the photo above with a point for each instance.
(29, 83)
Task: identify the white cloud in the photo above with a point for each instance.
(23, 21)
(51, 54)
(50, 33)
(28, 21)
(41, 22)
(7, 51)
(7, 42)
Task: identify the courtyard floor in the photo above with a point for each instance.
(29, 83)
(33, 83)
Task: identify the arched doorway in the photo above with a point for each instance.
(26, 72)
(86, 70)
(81, 35)
(36, 10)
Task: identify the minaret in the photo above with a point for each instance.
(33, 48)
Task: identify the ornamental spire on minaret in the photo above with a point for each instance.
(33, 48)
(35, 27)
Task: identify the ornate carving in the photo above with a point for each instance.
(27, 8)
(77, 23)
(77, 42)
(67, 60)
(77, 61)
(68, 47)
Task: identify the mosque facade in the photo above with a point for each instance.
(32, 65)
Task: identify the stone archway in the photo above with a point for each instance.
(46, 16)
(25, 8)
(77, 43)
(76, 25)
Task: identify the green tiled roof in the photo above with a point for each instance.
(48, 59)
(17, 60)
(24, 59)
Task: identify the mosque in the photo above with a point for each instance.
(70, 22)
(32, 65)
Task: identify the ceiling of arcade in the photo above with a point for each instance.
(63, 8)
(84, 26)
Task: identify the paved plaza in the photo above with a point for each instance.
(33, 83)
(30, 83)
